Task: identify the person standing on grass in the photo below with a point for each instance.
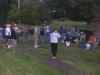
(3, 36)
(47, 33)
(92, 41)
(25, 33)
(13, 39)
(62, 33)
(54, 36)
(36, 35)
(8, 35)
(16, 30)
(82, 37)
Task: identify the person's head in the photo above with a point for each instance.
(55, 30)
(8, 25)
(36, 24)
(82, 33)
(12, 26)
(15, 25)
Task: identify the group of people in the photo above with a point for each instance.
(66, 36)
(10, 34)
(51, 37)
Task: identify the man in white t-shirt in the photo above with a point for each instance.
(54, 36)
(8, 31)
(8, 34)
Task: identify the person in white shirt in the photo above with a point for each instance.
(8, 34)
(8, 31)
(54, 37)
(36, 35)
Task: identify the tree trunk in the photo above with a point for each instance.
(97, 26)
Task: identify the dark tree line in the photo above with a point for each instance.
(73, 9)
(39, 10)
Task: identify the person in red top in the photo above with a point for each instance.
(92, 41)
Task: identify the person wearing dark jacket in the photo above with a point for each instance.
(13, 39)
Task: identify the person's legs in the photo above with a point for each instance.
(67, 43)
(14, 43)
(54, 49)
(17, 34)
(25, 36)
(9, 43)
(88, 46)
(47, 37)
(14, 50)
(62, 38)
(36, 41)
(93, 46)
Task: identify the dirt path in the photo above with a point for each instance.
(57, 64)
(67, 53)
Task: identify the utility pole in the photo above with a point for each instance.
(19, 22)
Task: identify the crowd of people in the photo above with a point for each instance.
(10, 34)
(66, 36)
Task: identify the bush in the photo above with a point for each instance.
(69, 24)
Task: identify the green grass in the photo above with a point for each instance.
(21, 64)
(82, 63)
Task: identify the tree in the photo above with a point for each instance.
(73, 9)
(86, 11)
(4, 7)
(13, 13)
(96, 21)
(28, 12)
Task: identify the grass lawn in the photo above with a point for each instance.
(21, 64)
(84, 60)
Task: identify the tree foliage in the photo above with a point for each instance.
(4, 8)
(73, 9)
(27, 13)
(32, 11)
